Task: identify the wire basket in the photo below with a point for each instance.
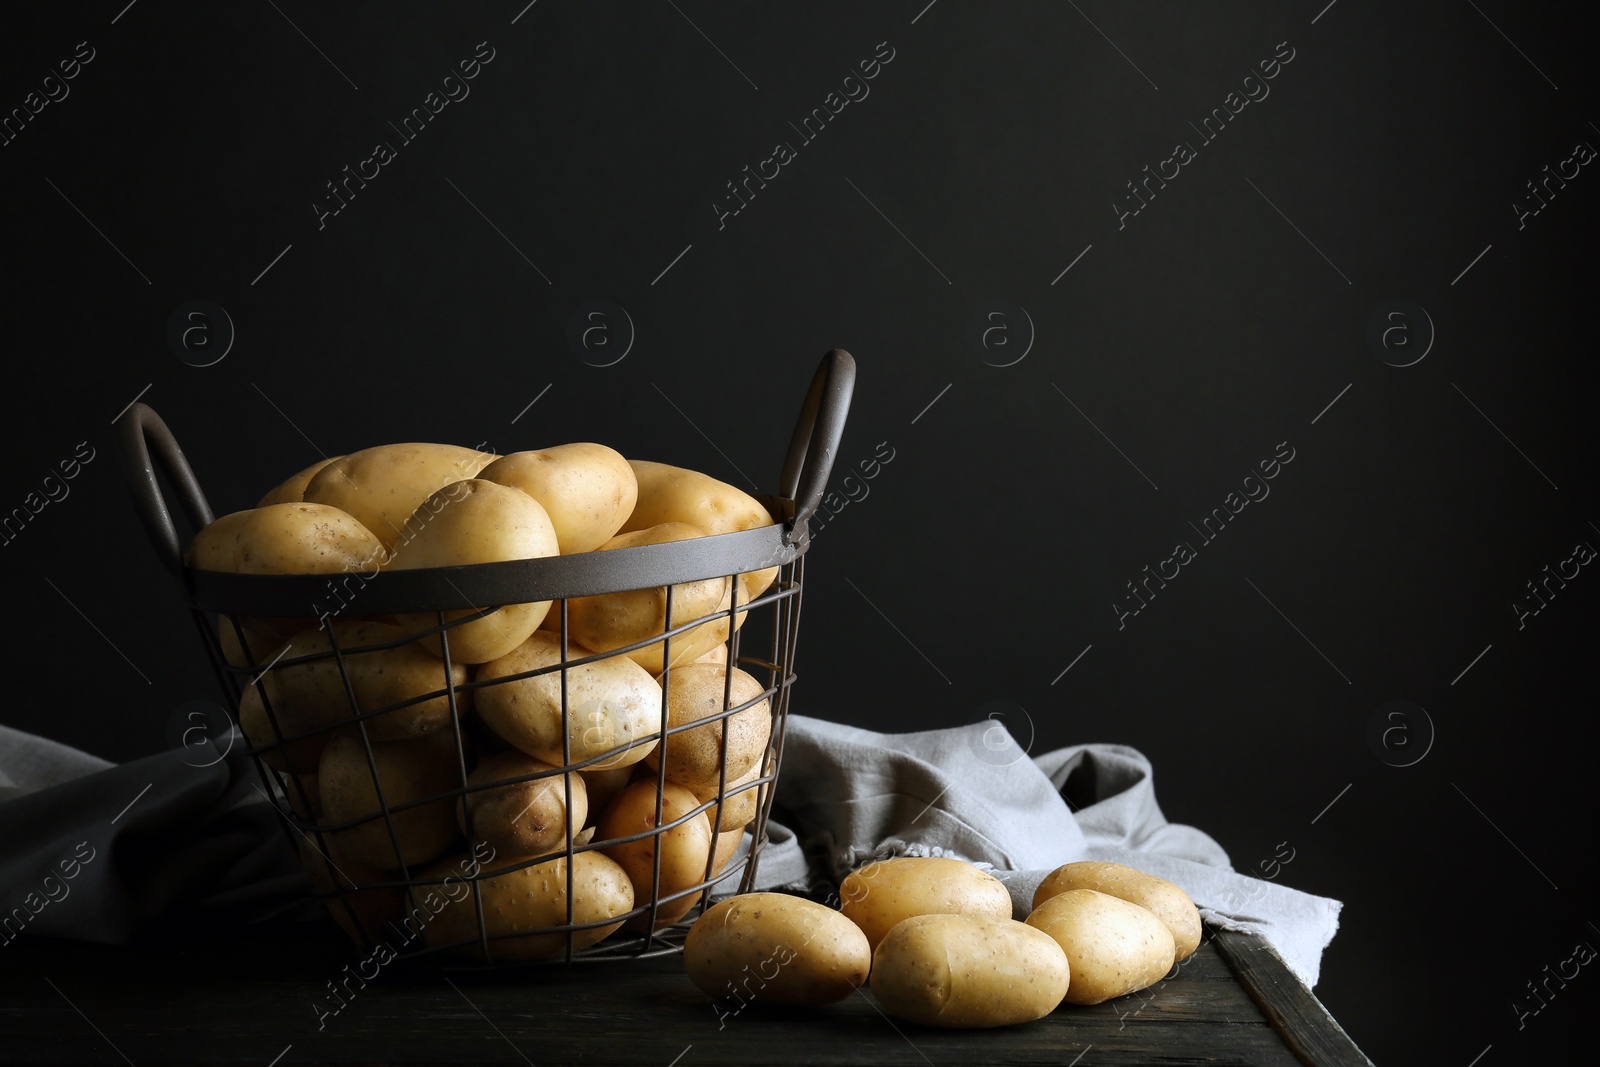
(409, 897)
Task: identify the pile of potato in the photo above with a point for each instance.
(937, 939)
(407, 506)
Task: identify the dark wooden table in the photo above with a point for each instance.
(254, 995)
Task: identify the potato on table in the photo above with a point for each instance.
(1114, 946)
(879, 895)
(776, 949)
(1168, 902)
(968, 971)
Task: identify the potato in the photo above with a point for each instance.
(739, 805)
(286, 539)
(305, 799)
(694, 757)
(313, 695)
(525, 903)
(674, 494)
(475, 521)
(255, 651)
(684, 848)
(588, 490)
(718, 654)
(522, 818)
(1113, 945)
(880, 895)
(776, 949)
(1168, 902)
(612, 620)
(363, 914)
(610, 702)
(602, 786)
(300, 756)
(968, 971)
(409, 771)
(383, 486)
(293, 489)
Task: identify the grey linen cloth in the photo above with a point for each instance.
(851, 795)
(98, 851)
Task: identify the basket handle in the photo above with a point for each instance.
(815, 443)
(146, 441)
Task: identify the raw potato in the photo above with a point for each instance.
(684, 848)
(739, 805)
(1168, 902)
(293, 489)
(312, 696)
(383, 486)
(612, 620)
(880, 895)
(674, 494)
(602, 786)
(363, 914)
(968, 971)
(299, 756)
(588, 489)
(694, 758)
(409, 771)
(256, 651)
(1114, 946)
(286, 539)
(530, 899)
(522, 818)
(610, 702)
(776, 949)
(475, 521)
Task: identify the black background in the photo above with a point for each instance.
(987, 555)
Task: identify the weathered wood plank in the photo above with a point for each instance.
(245, 997)
(1307, 1028)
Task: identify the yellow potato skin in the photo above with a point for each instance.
(677, 494)
(694, 757)
(522, 818)
(772, 948)
(292, 490)
(685, 848)
(1114, 946)
(476, 521)
(610, 703)
(968, 971)
(410, 771)
(286, 539)
(588, 489)
(1167, 901)
(310, 696)
(383, 486)
(878, 896)
(612, 620)
(531, 898)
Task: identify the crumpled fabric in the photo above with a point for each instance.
(848, 796)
